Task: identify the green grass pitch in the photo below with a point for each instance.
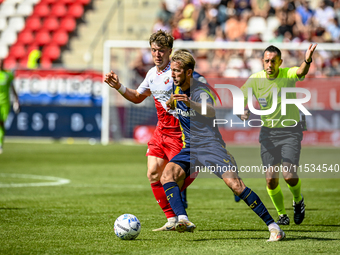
(107, 181)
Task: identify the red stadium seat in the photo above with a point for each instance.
(58, 10)
(45, 62)
(60, 37)
(25, 37)
(10, 63)
(68, 24)
(42, 37)
(66, 2)
(41, 10)
(51, 51)
(17, 51)
(48, 1)
(75, 10)
(51, 23)
(83, 2)
(33, 23)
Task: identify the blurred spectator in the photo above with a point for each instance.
(260, 7)
(161, 25)
(323, 14)
(164, 14)
(242, 5)
(252, 21)
(304, 14)
(236, 26)
(334, 30)
(334, 68)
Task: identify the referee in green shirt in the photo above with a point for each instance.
(6, 79)
(280, 135)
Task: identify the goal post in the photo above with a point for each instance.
(111, 128)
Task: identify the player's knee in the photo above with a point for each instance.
(153, 176)
(166, 177)
(272, 182)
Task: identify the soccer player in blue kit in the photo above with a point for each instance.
(202, 146)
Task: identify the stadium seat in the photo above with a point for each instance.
(16, 23)
(58, 10)
(256, 25)
(273, 23)
(8, 36)
(60, 37)
(51, 52)
(68, 24)
(32, 1)
(49, 1)
(23, 61)
(42, 37)
(7, 9)
(75, 10)
(255, 65)
(3, 23)
(41, 10)
(3, 51)
(24, 9)
(33, 23)
(83, 2)
(9, 63)
(14, 1)
(66, 2)
(17, 51)
(25, 37)
(45, 62)
(50, 23)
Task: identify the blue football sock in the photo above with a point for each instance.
(173, 194)
(255, 203)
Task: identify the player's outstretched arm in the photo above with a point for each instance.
(130, 94)
(304, 68)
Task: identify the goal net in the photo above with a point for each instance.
(220, 63)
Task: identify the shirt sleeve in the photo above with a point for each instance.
(291, 74)
(144, 86)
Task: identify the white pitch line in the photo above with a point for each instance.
(54, 180)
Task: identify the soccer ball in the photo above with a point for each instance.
(127, 227)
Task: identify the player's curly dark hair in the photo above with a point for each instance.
(274, 49)
(162, 38)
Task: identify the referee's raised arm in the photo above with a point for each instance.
(304, 68)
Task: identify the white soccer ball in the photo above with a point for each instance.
(127, 227)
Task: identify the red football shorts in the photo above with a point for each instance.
(164, 146)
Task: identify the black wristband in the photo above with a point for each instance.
(308, 63)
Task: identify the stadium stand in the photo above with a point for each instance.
(71, 24)
(29, 24)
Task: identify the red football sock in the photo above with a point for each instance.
(189, 180)
(161, 199)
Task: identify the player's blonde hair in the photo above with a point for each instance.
(185, 59)
(162, 39)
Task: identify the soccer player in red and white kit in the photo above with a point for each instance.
(167, 138)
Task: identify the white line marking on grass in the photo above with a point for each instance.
(53, 180)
